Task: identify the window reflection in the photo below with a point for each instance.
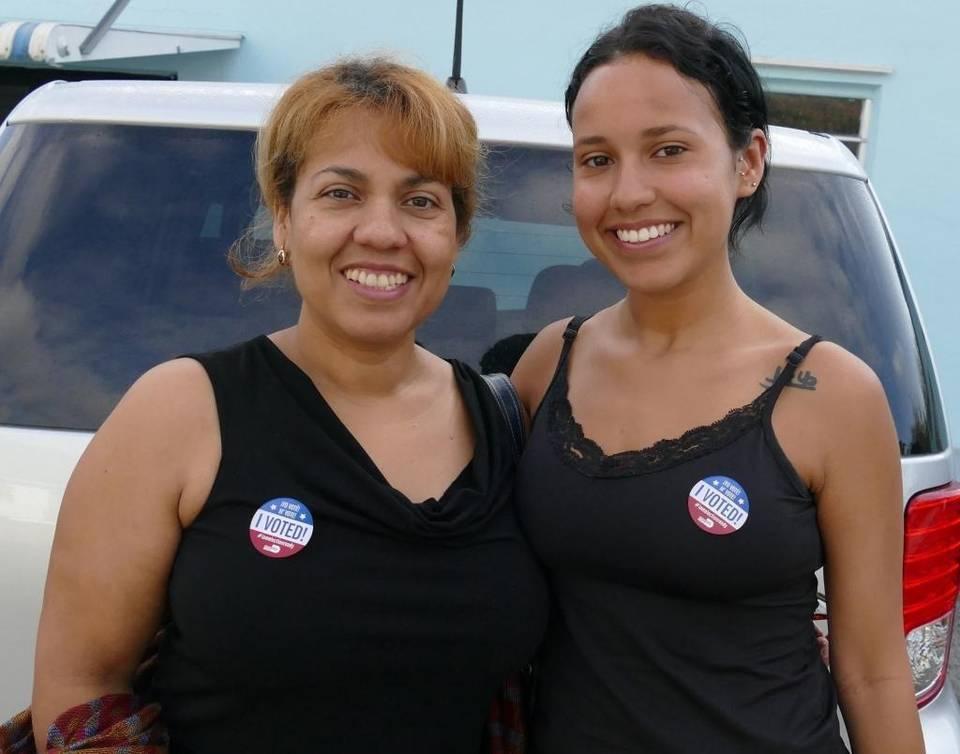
(112, 259)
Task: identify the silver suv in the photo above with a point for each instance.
(118, 201)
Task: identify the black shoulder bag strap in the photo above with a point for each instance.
(510, 407)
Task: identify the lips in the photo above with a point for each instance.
(378, 280)
(637, 235)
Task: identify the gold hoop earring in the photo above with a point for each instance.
(283, 258)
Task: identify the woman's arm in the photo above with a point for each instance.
(116, 536)
(860, 511)
(535, 369)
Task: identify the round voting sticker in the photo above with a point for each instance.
(281, 527)
(718, 505)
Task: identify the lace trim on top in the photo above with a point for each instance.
(586, 456)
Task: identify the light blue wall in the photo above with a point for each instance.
(526, 48)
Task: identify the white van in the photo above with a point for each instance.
(119, 200)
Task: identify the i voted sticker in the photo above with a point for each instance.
(281, 527)
(718, 505)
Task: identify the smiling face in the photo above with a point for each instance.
(655, 180)
(371, 241)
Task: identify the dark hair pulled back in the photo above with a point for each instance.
(698, 50)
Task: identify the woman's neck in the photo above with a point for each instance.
(349, 367)
(709, 306)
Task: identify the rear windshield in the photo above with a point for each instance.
(113, 242)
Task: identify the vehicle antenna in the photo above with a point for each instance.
(455, 82)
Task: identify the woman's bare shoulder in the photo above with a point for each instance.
(849, 408)
(840, 375)
(535, 369)
(164, 432)
(173, 396)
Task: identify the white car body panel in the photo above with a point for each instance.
(243, 106)
(35, 465)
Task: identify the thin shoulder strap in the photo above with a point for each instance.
(510, 407)
(508, 401)
(559, 373)
(794, 359)
(569, 335)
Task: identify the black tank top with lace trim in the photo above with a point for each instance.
(685, 583)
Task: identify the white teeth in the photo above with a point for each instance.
(634, 235)
(379, 280)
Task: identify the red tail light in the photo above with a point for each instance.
(931, 582)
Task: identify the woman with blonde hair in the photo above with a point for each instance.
(320, 518)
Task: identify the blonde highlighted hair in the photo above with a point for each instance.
(423, 126)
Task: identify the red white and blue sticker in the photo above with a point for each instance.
(718, 505)
(281, 527)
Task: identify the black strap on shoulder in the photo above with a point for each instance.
(559, 373)
(573, 327)
(569, 335)
(794, 359)
(510, 407)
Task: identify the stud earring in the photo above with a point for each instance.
(742, 173)
(283, 258)
(754, 184)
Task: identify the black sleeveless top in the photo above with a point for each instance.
(685, 583)
(314, 608)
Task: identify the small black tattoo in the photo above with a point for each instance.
(805, 380)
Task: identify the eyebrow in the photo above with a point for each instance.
(648, 133)
(352, 174)
(344, 172)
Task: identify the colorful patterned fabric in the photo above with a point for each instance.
(506, 731)
(112, 724)
(16, 735)
(116, 724)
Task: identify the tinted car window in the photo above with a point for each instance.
(821, 261)
(112, 259)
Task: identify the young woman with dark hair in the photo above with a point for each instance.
(685, 568)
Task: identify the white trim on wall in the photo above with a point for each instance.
(817, 65)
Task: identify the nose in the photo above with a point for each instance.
(380, 226)
(632, 188)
